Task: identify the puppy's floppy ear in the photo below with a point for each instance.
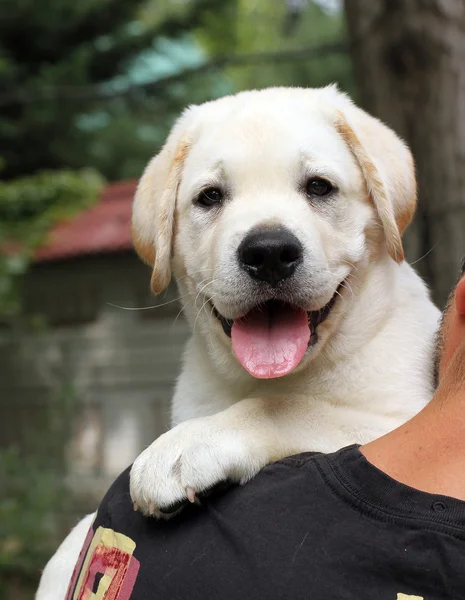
(155, 201)
(387, 166)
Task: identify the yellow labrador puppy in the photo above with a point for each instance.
(280, 214)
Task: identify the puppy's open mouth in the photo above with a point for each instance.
(271, 339)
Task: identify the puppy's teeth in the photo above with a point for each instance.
(190, 493)
(135, 506)
(152, 508)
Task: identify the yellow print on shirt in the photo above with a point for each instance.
(407, 597)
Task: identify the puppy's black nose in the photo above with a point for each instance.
(270, 255)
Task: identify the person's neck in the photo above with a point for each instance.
(428, 452)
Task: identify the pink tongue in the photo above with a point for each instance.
(271, 342)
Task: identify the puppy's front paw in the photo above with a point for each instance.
(186, 461)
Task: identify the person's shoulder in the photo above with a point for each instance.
(305, 461)
(116, 500)
(121, 483)
(290, 475)
(118, 493)
(119, 488)
(314, 472)
(297, 461)
(287, 477)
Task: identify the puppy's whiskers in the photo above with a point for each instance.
(181, 310)
(135, 308)
(202, 288)
(201, 308)
(191, 275)
(346, 285)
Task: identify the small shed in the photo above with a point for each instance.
(93, 355)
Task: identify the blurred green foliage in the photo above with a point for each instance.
(232, 48)
(100, 82)
(29, 207)
(35, 504)
(259, 27)
(28, 510)
(57, 58)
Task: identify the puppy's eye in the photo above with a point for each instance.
(209, 197)
(318, 187)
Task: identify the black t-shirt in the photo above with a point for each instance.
(312, 526)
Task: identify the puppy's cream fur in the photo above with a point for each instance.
(371, 368)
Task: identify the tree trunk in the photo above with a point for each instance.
(409, 61)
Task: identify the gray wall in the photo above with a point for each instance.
(93, 380)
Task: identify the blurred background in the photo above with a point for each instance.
(88, 92)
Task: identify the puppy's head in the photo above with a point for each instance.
(266, 205)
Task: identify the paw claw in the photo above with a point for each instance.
(182, 465)
(190, 493)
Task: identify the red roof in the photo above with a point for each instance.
(106, 227)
